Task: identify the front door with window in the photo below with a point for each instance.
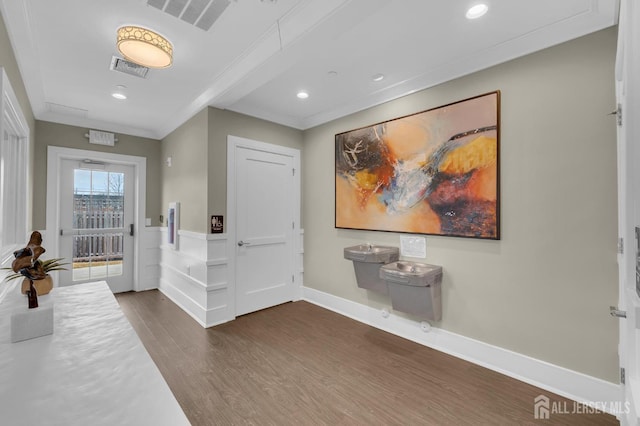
(96, 217)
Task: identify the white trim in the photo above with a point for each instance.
(233, 143)
(628, 100)
(200, 236)
(6, 258)
(570, 384)
(150, 258)
(217, 262)
(55, 155)
(13, 121)
(299, 265)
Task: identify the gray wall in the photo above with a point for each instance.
(8, 62)
(73, 137)
(544, 289)
(198, 177)
(223, 123)
(186, 180)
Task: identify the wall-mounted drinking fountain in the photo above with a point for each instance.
(367, 260)
(415, 288)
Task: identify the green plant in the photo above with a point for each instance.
(48, 265)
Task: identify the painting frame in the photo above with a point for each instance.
(433, 172)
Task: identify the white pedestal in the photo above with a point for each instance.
(31, 323)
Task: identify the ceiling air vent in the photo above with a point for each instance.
(201, 13)
(66, 110)
(127, 67)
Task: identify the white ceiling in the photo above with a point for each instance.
(258, 54)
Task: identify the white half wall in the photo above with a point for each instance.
(195, 276)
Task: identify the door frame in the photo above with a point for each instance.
(55, 155)
(15, 120)
(628, 98)
(234, 143)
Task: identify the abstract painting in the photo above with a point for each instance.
(435, 172)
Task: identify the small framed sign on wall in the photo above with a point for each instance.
(217, 224)
(173, 224)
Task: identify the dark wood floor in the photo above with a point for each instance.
(298, 364)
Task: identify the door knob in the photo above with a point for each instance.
(615, 312)
(242, 243)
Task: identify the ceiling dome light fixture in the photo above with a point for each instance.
(120, 92)
(477, 11)
(144, 47)
(378, 77)
(302, 95)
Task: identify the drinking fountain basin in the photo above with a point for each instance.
(371, 253)
(410, 273)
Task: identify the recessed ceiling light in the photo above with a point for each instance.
(477, 11)
(302, 94)
(119, 92)
(378, 77)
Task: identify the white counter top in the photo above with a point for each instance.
(93, 369)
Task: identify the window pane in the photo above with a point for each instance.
(98, 204)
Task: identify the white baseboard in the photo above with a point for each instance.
(187, 304)
(559, 380)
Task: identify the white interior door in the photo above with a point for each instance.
(628, 96)
(264, 227)
(96, 223)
